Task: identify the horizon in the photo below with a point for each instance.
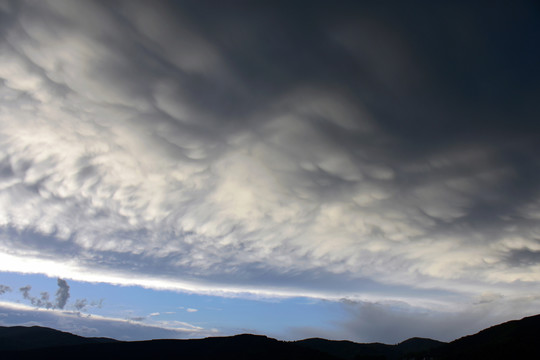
(350, 170)
(297, 340)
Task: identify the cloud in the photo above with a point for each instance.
(94, 325)
(137, 318)
(42, 301)
(211, 155)
(393, 322)
(191, 310)
(81, 304)
(4, 289)
(97, 303)
(25, 290)
(62, 294)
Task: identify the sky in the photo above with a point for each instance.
(361, 170)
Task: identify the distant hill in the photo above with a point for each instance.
(349, 350)
(34, 337)
(517, 339)
(67, 346)
(415, 345)
(511, 340)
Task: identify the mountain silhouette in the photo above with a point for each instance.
(244, 346)
(349, 350)
(35, 337)
(511, 340)
(516, 339)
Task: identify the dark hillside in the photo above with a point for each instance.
(235, 347)
(25, 338)
(354, 351)
(347, 349)
(512, 340)
(415, 347)
(517, 339)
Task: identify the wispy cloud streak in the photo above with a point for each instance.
(62, 295)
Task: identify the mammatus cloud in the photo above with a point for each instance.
(256, 152)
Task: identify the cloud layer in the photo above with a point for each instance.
(338, 150)
(97, 326)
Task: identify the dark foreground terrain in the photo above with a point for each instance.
(512, 340)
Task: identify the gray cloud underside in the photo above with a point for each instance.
(394, 322)
(331, 149)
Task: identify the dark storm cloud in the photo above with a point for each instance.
(437, 73)
(332, 149)
(523, 257)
